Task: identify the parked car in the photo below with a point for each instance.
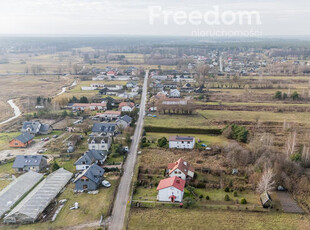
(55, 136)
(106, 184)
(46, 139)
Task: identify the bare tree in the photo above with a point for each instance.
(290, 144)
(266, 183)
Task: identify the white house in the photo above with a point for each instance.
(99, 143)
(86, 88)
(171, 189)
(126, 106)
(131, 84)
(110, 114)
(113, 87)
(98, 106)
(174, 93)
(181, 169)
(181, 142)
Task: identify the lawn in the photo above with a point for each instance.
(164, 218)
(7, 168)
(5, 138)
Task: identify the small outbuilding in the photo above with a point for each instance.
(266, 200)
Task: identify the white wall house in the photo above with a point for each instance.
(181, 169)
(171, 190)
(99, 143)
(181, 142)
(98, 106)
(113, 87)
(174, 93)
(126, 106)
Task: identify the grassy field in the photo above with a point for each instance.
(164, 218)
(205, 139)
(5, 138)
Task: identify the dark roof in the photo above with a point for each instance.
(24, 137)
(98, 139)
(27, 160)
(44, 127)
(94, 173)
(181, 138)
(126, 118)
(33, 126)
(104, 127)
(91, 156)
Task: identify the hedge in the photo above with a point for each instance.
(158, 129)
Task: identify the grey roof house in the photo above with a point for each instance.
(90, 157)
(99, 143)
(25, 163)
(36, 128)
(105, 128)
(124, 122)
(90, 179)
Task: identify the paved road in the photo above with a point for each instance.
(122, 196)
(17, 112)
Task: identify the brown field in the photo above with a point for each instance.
(165, 218)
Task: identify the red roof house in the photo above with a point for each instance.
(181, 169)
(171, 189)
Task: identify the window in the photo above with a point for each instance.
(188, 142)
(182, 142)
(86, 179)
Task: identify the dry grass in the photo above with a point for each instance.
(214, 219)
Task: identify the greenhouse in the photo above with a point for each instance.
(30, 208)
(17, 189)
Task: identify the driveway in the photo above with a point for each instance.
(122, 196)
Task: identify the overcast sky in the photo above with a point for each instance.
(101, 17)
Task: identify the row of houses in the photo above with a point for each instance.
(123, 106)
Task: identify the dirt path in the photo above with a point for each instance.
(17, 112)
(288, 204)
(64, 89)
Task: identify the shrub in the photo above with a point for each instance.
(296, 157)
(243, 201)
(207, 197)
(295, 96)
(236, 132)
(201, 197)
(188, 202)
(235, 194)
(55, 166)
(162, 142)
(227, 198)
(226, 189)
(278, 95)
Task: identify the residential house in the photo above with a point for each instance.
(124, 122)
(36, 128)
(170, 85)
(104, 128)
(171, 189)
(111, 73)
(126, 106)
(110, 115)
(99, 143)
(106, 91)
(90, 179)
(98, 106)
(24, 163)
(110, 100)
(187, 88)
(174, 93)
(22, 141)
(87, 88)
(181, 169)
(113, 87)
(174, 101)
(91, 157)
(159, 77)
(91, 106)
(181, 142)
(131, 84)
